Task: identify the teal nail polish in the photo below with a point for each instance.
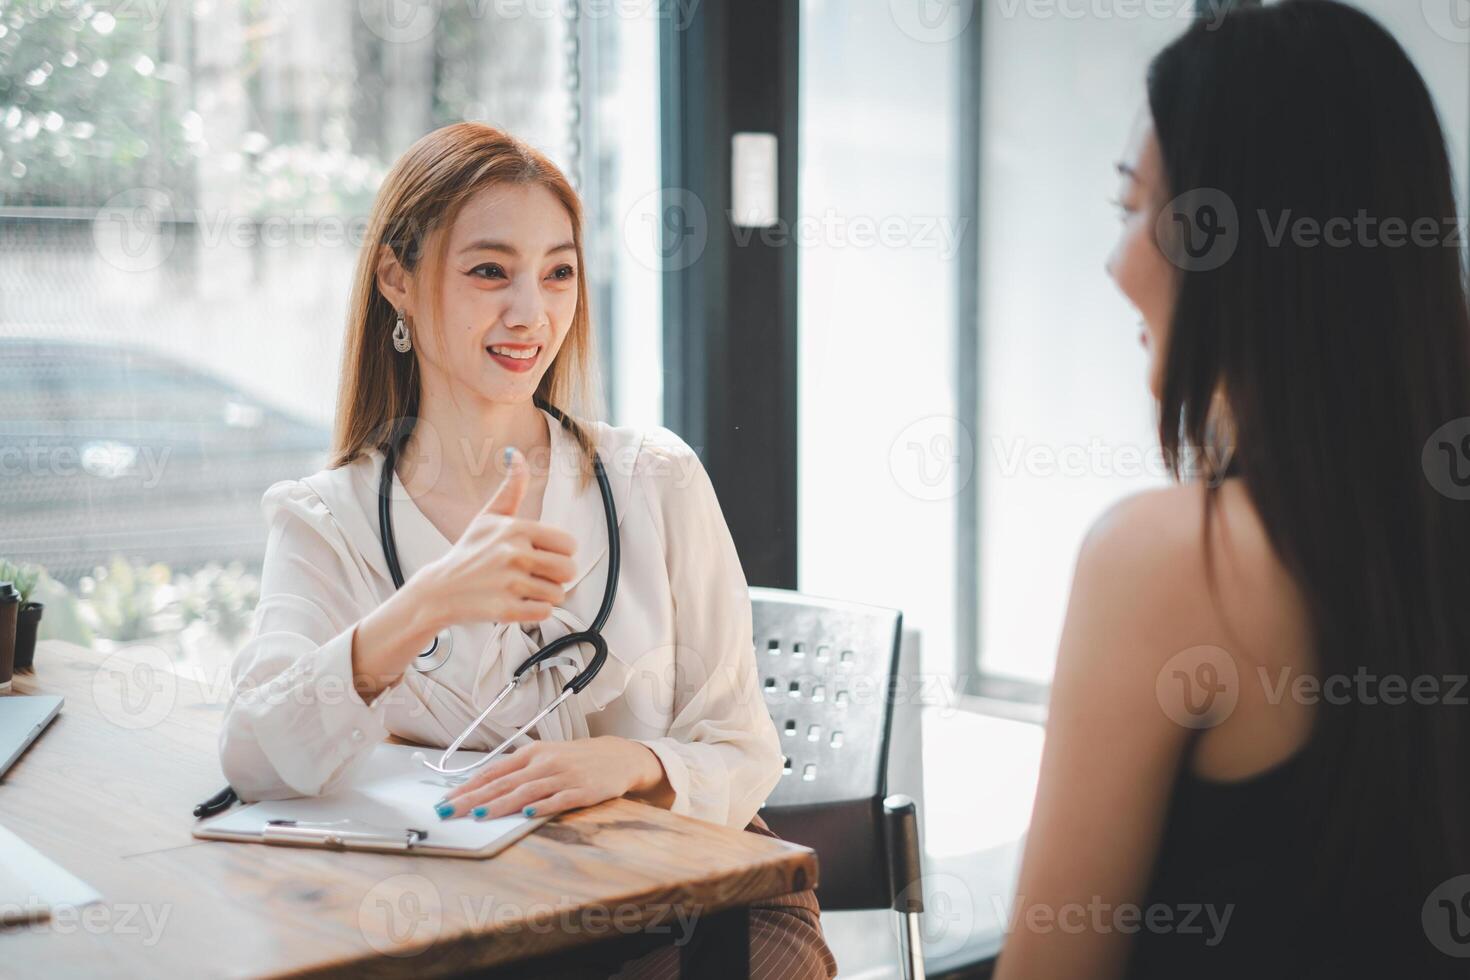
(529, 811)
(508, 456)
(479, 812)
(444, 810)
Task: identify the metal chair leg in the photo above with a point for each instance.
(906, 876)
(910, 946)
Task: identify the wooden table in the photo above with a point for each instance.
(107, 792)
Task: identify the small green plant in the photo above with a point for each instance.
(63, 619)
(23, 577)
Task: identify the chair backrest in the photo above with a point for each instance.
(827, 671)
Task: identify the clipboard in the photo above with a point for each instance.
(389, 808)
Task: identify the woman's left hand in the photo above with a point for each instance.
(548, 777)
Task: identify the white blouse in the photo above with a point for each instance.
(680, 675)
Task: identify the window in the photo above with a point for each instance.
(1066, 425)
(183, 190)
(882, 454)
(1065, 418)
(902, 447)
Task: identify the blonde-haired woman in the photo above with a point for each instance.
(469, 349)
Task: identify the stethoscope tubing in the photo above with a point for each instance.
(592, 634)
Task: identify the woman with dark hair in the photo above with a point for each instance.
(1256, 748)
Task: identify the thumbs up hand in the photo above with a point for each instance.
(503, 568)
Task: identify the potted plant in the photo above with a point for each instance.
(24, 577)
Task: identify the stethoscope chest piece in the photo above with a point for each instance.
(437, 653)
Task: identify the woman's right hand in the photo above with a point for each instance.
(503, 568)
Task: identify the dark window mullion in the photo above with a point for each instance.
(730, 340)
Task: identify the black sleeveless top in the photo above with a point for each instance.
(1235, 893)
(1231, 890)
(1230, 879)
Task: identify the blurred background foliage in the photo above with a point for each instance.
(80, 91)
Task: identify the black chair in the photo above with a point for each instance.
(827, 671)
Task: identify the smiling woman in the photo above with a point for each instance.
(468, 345)
(462, 217)
(1205, 818)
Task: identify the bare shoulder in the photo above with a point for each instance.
(1147, 526)
(1155, 554)
(1146, 545)
(1164, 531)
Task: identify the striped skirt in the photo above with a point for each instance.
(785, 943)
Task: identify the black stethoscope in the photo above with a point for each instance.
(550, 655)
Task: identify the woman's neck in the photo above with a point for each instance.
(458, 450)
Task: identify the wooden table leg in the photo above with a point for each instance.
(720, 948)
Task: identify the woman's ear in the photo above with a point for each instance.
(393, 279)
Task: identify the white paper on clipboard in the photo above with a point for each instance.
(394, 794)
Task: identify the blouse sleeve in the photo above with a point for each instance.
(295, 725)
(721, 754)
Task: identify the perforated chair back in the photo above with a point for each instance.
(827, 671)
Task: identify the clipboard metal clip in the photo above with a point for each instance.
(340, 835)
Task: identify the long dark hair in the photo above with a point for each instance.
(1338, 362)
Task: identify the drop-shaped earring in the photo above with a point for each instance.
(402, 342)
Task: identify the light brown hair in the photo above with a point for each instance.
(378, 394)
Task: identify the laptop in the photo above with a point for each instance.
(22, 718)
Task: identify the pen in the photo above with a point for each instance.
(339, 834)
(216, 803)
(280, 822)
